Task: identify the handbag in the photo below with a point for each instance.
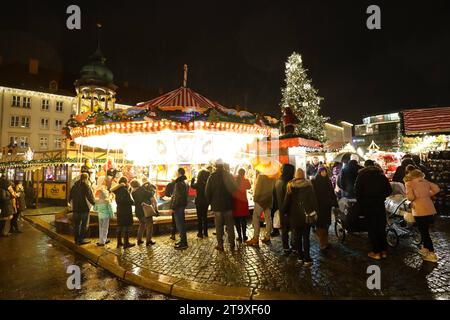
(409, 217)
(148, 209)
(276, 220)
(311, 218)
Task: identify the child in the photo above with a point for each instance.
(105, 212)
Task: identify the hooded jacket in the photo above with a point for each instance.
(180, 193)
(300, 199)
(220, 189)
(419, 191)
(124, 203)
(263, 194)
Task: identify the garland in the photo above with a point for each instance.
(50, 162)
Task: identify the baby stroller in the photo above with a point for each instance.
(348, 219)
(396, 207)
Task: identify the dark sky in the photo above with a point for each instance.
(236, 50)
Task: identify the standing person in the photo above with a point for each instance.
(105, 212)
(326, 199)
(82, 199)
(20, 207)
(124, 213)
(263, 198)
(419, 191)
(201, 203)
(300, 200)
(312, 168)
(219, 194)
(371, 189)
(7, 195)
(400, 172)
(168, 191)
(347, 178)
(178, 204)
(142, 194)
(287, 174)
(240, 207)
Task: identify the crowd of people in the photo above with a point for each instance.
(12, 204)
(302, 201)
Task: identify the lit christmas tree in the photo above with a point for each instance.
(300, 96)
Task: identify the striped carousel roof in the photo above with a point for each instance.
(181, 97)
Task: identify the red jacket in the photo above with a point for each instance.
(240, 205)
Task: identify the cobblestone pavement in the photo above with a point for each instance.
(340, 272)
(33, 266)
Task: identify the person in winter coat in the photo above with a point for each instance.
(219, 194)
(287, 174)
(371, 190)
(201, 203)
(105, 212)
(178, 204)
(82, 199)
(347, 178)
(419, 164)
(7, 195)
(300, 200)
(263, 198)
(124, 212)
(20, 207)
(420, 191)
(168, 191)
(240, 208)
(399, 174)
(326, 199)
(142, 195)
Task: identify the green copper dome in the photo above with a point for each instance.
(96, 71)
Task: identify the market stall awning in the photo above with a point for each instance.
(423, 121)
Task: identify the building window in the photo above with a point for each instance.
(45, 105)
(14, 121)
(43, 142)
(57, 141)
(59, 106)
(44, 123)
(15, 101)
(26, 102)
(58, 124)
(21, 142)
(25, 122)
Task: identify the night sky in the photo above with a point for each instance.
(236, 50)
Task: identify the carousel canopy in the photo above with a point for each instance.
(423, 121)
(181, 126)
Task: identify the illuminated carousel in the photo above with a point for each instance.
(180, 128)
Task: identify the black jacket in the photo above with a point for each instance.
(279, 190)
(372, 187)
(80, 193)
(401, 171)
(141, 195)
(200, 188)
(6, 197)
(326, 198)
(124, 203)
(300, 199)
(347, 178)
(220, 189)
(180, 193)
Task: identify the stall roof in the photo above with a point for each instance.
(425, 121)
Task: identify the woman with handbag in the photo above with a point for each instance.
(326, 199)
(300, 207)
(145, 204)
(420, 191)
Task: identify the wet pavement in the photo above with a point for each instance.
(340, 272)
(33, 266)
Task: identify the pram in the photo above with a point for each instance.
(396, 207)
(349, 219)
